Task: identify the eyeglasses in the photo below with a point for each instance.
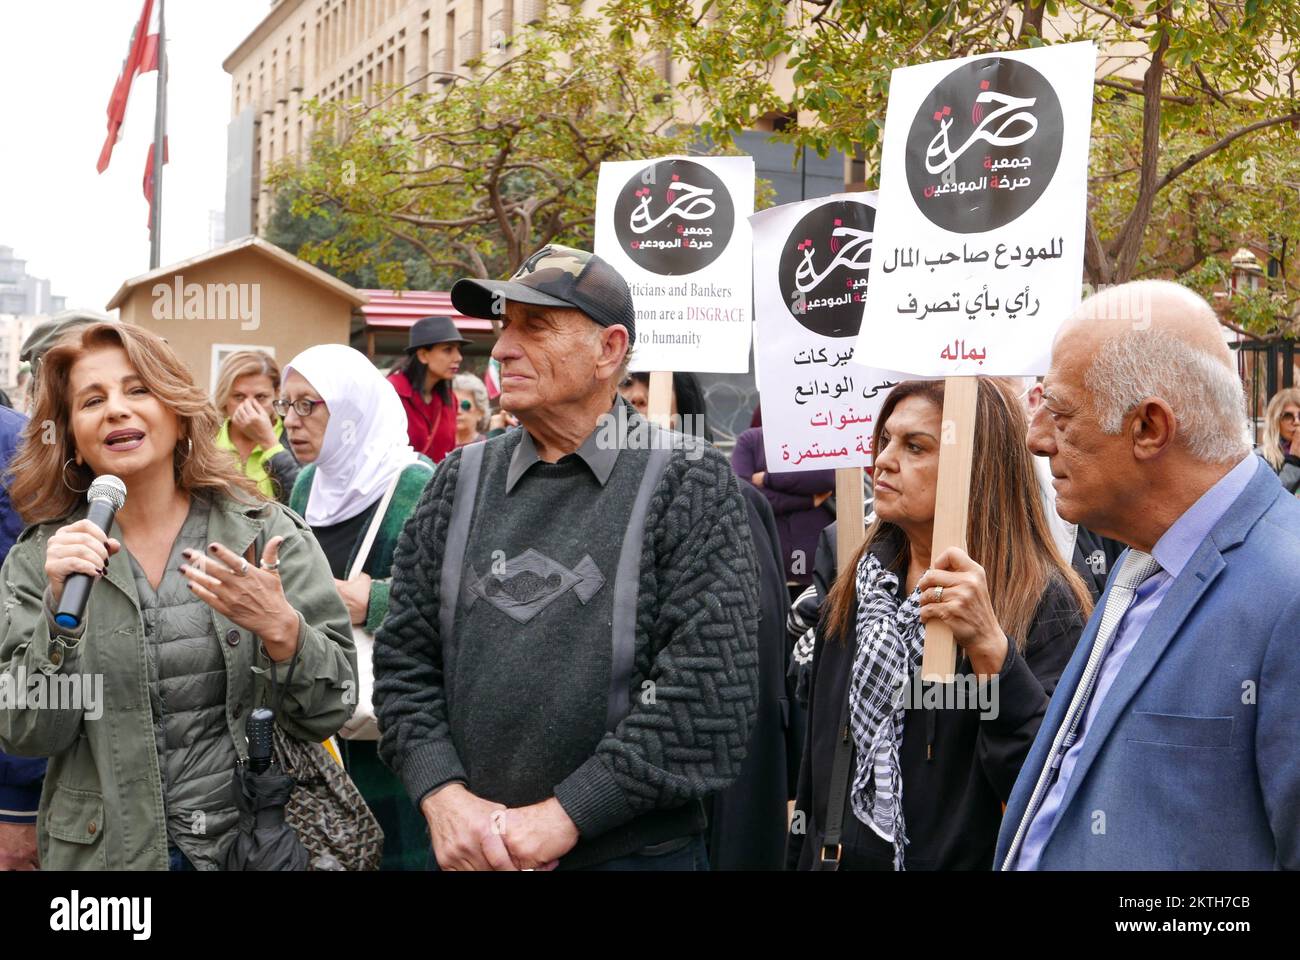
(302, 407)
(466, 406)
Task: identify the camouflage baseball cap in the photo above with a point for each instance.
(49, 333)
(554, 276)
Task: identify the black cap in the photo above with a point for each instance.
(554, 276)
(427, 331)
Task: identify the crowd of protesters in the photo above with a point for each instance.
(531, 643)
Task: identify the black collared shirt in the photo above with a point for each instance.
(599, 457)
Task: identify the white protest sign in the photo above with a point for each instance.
(677, 229)
(983, 197)
(811, 263)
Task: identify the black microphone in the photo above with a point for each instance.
(106, 496)
(259, 729)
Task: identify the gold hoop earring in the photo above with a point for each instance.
(64, 474)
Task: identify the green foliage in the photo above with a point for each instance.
(310, 232)
(1227, 101)
(476, 174)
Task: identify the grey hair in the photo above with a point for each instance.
(468, 383)
(1205, 395)
(620, 374)
(623, 367)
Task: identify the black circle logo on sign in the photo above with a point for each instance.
(674, 217)
(984, 145)
(823, 268)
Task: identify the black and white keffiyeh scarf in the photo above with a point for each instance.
(890, 639)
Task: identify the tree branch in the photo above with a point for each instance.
(1031, 17)
(1134, 24)
(1129, 241)
(1129, 88)
(1095, 259)
(1180, 168)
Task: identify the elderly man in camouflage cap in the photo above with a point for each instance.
(569, 662)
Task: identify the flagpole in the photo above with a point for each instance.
(159, 133)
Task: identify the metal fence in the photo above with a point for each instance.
(1266, 366)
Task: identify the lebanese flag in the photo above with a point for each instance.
(143, 43)
(148, 179)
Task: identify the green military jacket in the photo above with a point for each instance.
(102, 804)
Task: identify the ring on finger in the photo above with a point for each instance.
(938, 594)
(272, 565)
(243, 567)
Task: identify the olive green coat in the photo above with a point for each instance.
(102, 805)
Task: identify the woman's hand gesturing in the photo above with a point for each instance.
(79, 547)
(247, 594)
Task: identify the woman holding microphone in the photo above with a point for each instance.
(181, 637)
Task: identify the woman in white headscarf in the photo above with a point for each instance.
(360, 482)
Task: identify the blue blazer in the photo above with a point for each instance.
(1193, 759)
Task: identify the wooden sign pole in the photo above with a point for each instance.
(850, 525)
(951, 510)
(659, 405)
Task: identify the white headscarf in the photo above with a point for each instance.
(365, 441)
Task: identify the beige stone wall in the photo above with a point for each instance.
(292, 314)
(340, 49)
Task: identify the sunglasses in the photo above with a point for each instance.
(466, 406)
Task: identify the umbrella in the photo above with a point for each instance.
(263, 840)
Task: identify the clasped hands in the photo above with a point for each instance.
(471, 833)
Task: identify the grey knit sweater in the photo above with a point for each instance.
(514, 702)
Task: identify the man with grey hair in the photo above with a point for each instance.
(1170, 742)
(569, 665)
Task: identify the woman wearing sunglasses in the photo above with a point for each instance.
(360, 482)
(471, 409)
(1280, 445)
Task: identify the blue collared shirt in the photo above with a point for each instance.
(1172, 551)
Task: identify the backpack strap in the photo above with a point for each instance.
(453, 557)
(627, 579)
(627, 584)
(827, 857)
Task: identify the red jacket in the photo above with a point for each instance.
(431, 427)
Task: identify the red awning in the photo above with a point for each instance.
(398, 309)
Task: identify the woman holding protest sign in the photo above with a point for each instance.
(929, 765)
